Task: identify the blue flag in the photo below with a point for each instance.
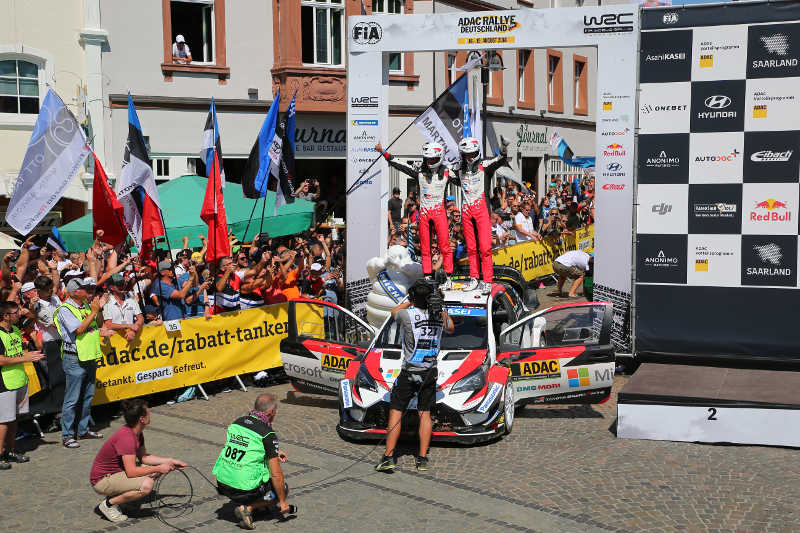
(563, 150)
(55, 153)
(286, 131)
(257, 169)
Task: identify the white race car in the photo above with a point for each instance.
(498, 357)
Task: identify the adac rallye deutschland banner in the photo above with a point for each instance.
(203, 350)
(535, 259)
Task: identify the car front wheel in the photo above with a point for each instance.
(508, 408)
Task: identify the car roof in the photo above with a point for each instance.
(460, 297)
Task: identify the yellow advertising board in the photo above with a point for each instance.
(535, 259)
(202, 350)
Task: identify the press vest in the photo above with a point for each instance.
(242, 463)
(86, 343)
(427, 338)
(14, 376)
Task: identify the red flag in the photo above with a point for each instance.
(213, 214)
(152, 226)
(107, 213)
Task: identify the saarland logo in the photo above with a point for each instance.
(614, 150)
(613, 186)
(768, 156)
(772, 207)
(367, 32)
(723, 158)
(488, 24)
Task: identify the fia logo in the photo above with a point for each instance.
(670, 18)
(367, 32)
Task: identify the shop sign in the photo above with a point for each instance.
(318, 136)
(532, 140)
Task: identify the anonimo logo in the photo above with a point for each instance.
(367, 32)
(608, 23)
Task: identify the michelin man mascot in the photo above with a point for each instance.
(391, 276)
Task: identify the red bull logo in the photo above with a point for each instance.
(614, 150)
(771, 205)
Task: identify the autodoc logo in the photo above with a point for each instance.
(614, 150)
(717, 102)
(367, 32)
(488, 24)
(615, 133)
(363, 101)
(721, 158)
(608, 23)
(768, 156)
(364, 122)
(771, 210)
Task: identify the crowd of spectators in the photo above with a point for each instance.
(517, 215)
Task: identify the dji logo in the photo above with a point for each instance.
(662, 208)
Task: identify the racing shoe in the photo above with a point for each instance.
(387, 464)
(486, 288)
(471, 284)
(421, 463)
(446, 285)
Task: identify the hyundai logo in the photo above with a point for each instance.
(614, 167)
(717, 101)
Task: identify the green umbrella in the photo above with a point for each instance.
(181, 200)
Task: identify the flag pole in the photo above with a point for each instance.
(263, 209)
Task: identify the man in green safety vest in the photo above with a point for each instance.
(248, 468)
(78, 324)
(13, 382)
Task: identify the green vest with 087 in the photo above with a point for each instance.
(242, 463)
(14, 376)
(86, 343)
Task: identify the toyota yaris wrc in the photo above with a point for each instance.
(499, 356)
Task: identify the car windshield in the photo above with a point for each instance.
(470, 331)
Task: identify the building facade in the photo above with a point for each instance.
(59, 51)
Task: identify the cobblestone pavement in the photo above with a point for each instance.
(562, 469)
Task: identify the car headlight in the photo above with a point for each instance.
(365, 381)
(473, 381)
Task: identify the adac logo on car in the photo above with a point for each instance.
(335, 363)
(771, 210)
(537, 369)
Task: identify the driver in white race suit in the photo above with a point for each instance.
(432, 178)
(472, 174)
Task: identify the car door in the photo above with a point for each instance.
(561, 355)
(323, 339)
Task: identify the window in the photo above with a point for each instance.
(390, 7)
(580, 82)
(195, 21)
(494, 91)
(453, 60)
(525, 98)
(555, 82)
(19, 87)
(161, 166)
(321, 28)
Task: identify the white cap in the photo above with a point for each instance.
(316, 267)
(180, 39)
(28, 286)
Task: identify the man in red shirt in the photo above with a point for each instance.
(115, 473)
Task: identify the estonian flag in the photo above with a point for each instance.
(54, 240)
(136, 189)
(210, 142)
(442, 121)
(286, 129)
(257, 169)
(563, 150)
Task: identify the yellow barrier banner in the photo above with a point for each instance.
(202, 350)
(535, 259)
(33, 379)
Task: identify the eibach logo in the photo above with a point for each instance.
(613, 186)
(771, 205)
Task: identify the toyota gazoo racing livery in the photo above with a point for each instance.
(499, 356)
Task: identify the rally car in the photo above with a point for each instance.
(499, 356)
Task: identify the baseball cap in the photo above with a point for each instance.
(117, 278)
(180, 39)
(185, 253)
(197, 257)
(164, 265)
(28, 286)
(80, 283)
(316, 267)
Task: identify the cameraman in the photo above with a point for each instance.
(422, 318)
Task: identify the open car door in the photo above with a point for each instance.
(561, 355)
(323, 338)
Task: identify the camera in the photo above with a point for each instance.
(425, 294)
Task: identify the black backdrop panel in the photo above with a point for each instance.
(753, 322)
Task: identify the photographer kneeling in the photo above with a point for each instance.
(423, 318)
(248, 468)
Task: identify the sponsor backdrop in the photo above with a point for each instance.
(612, 29)
(718, 196)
